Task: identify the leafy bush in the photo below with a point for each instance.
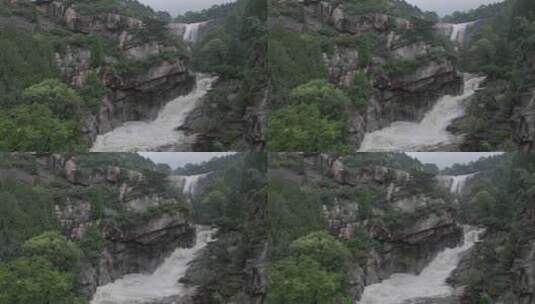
(294, 59)
(63, 101)
(55, 248)
(35, 281)
(303, 281)
(361, 90)
(396, 66)
(27, 211)
(92, 243)
(323, 248)
(36, 128)
(295, 212)
(26, 60)
(331, 101)
(302, 127)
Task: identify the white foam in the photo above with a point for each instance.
(149, 136)
(163, 283)
(426, 134)
(430, 283)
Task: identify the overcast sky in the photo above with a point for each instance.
(446, 159)
(176, 7)
(179, 159)
(444, 7)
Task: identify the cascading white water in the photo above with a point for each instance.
(161, 132)
(458, 182)
(458, 31)
(191, 182)
(163, 283)
(191, 33)
(428, 133)
(430, 283)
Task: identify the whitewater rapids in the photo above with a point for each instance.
(162, 132)
(427, 134)
(430, 283)
(161, 284)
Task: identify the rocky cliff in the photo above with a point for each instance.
(131, 222)
(406, 69)
(406, 219)
(138, 60)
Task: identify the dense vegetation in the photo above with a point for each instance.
(217, 11)
(499, 200)
(308, 263)
(38, 264)
(485, 11)
(40, 109)
(215, 164)
(500, 50)
(297, 66)
(232, 179)
(312, 261)
(234, 48)
(131, 8)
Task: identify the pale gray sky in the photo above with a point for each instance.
(446, 159)
(444, 7)
(181, 6)
(179, 159)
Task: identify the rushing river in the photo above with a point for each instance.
(160, 285)
(403, 288)
(160, 133)
(427, 134)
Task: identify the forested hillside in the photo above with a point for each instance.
(498, 117)
(341, 69)
(233, 114)
(63, 68)
(342, 225)
(80, 69)
(74, 223)
(500, 198)
(339, 224)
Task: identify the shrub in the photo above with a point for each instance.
(302, 127)
(303, 281)
(331, 101)
(55, 248)
(330, 253)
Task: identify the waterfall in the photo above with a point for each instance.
(458, 182)
(188, 183)
(458, 31)
(191, 33)
(191, 182)
(430, 283)
(427, 134)
(161, 132)
(161, 284)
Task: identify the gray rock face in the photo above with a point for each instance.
(403, 97)
(428, 223)
(132, 97)
(135, 247)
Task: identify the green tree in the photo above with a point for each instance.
(93, 91)
(331, 101)
(62, 253)
(361, 90)
(35, 281)
(303, 281)
(330, 253)
(302, 127)
(57, 96)
(35, 128)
